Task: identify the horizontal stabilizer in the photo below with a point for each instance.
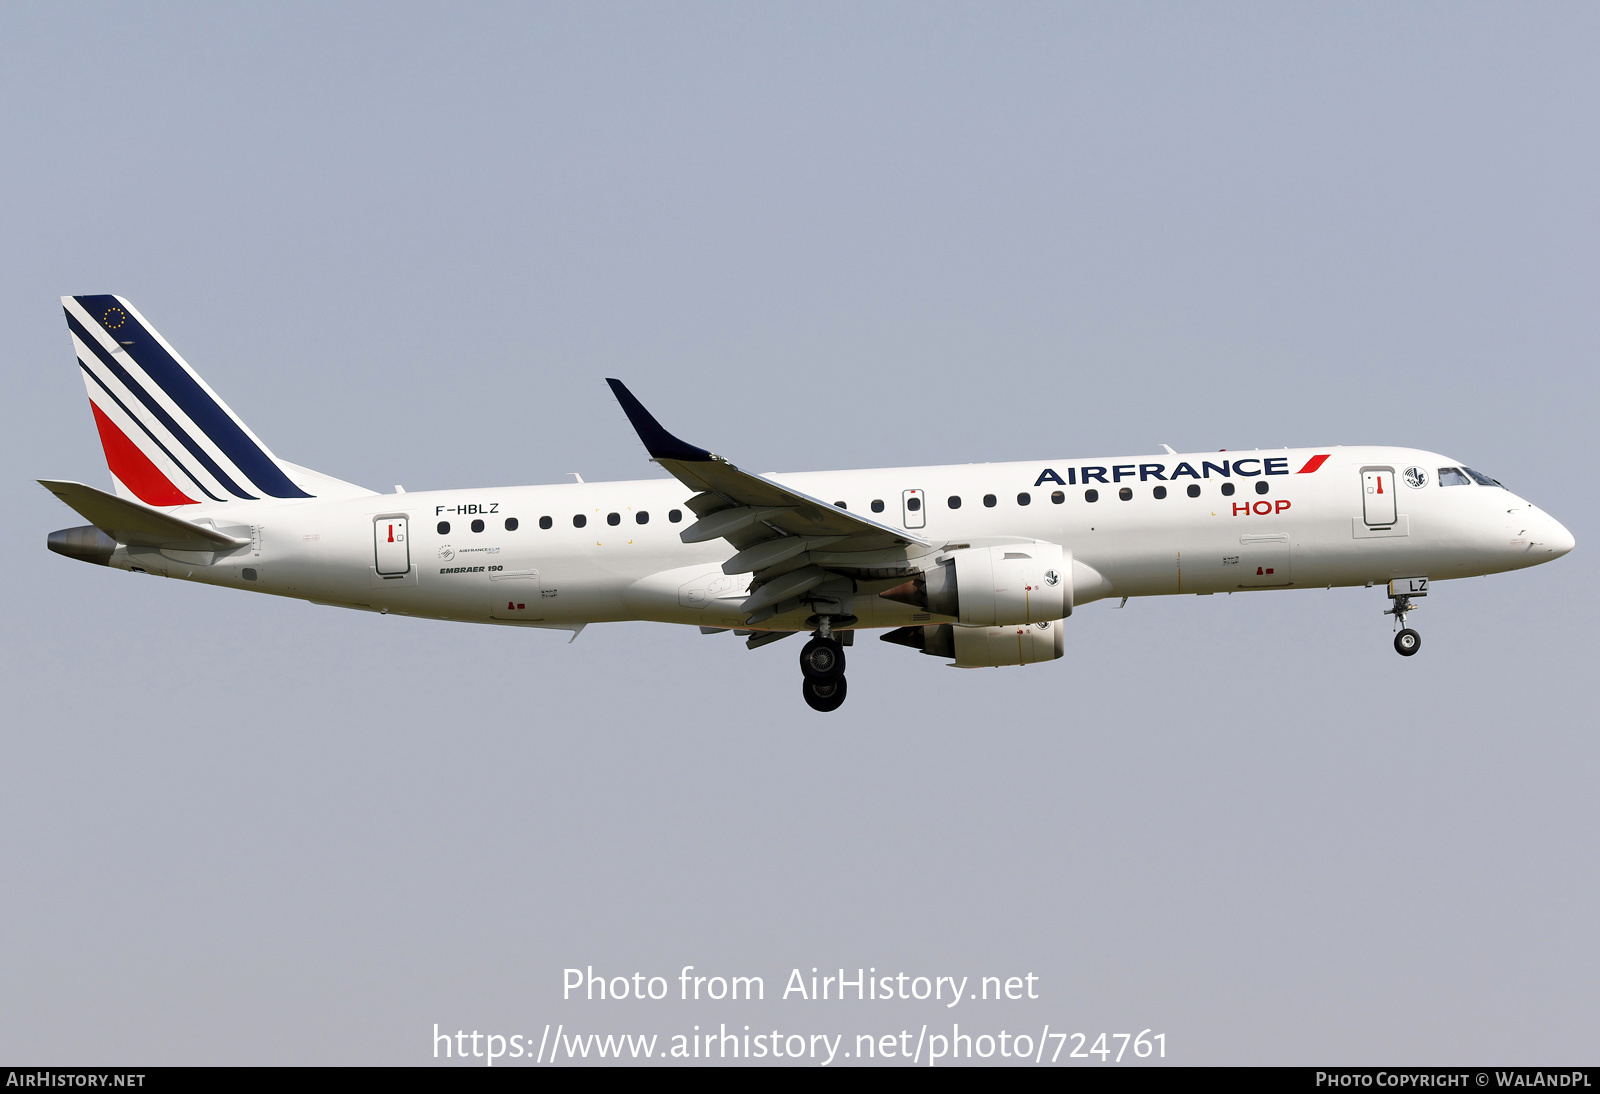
(139, 525)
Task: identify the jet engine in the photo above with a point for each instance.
(985, 647)
(1016, 583)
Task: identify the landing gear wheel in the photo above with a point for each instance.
(1407, 642)
(822, 661)
(825, 697)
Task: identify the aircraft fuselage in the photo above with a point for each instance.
(1281, 527)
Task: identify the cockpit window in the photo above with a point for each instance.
(1452, 476)
(1481, 479)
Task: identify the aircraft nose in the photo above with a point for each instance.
(1559, 539)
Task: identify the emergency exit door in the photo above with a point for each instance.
(392, 554)
(1377, 490)
(914, 508)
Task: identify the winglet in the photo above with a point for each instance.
(657, 441)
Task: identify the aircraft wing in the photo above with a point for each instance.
(745, 509)
(773, 527)
(139, 525)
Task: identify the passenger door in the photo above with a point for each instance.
(391, 552)
(1377, 496)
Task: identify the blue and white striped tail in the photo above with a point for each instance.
(169, 439)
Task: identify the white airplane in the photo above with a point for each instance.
(978, 563)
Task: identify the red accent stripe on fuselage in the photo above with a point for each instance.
(133, 468)
(1312, 464)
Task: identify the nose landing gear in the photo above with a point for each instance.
(1401, 590)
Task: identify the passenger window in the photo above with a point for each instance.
(1194, 490)
(477, 526)
(674, 515)
(579, 521)
(953, 501)
(1024, 499)
(642, 517)
(1159, 492)
(988, 501)
(1091, 495)
(1126, 493)
(840, 505)
(1261, 487)
(877, 505)
(1452, 476)
(545, 523)
(913, 504)
(512, 524)
(1057, 497)
(1227, 489)
(444, 528)
(613, 519)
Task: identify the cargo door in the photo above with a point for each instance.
(1264, 561)
(1377, 496)
(515, 594)
(392, 554)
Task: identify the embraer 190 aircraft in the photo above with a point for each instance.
(978, 563)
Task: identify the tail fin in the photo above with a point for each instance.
(168, 438)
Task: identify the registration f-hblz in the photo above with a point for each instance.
(977, 563)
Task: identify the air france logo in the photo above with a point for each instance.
(1052, 578)
(1415, 477)
(1248, 467)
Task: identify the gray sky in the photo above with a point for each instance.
(406, 243)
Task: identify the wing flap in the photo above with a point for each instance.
(725, 523)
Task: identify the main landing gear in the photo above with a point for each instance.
(822, 665)
(1407, 642)
(825, 697)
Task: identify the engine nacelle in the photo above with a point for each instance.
(1001, 586)
(985, 647)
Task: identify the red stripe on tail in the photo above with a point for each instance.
(1312, 464)
(133, 468)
